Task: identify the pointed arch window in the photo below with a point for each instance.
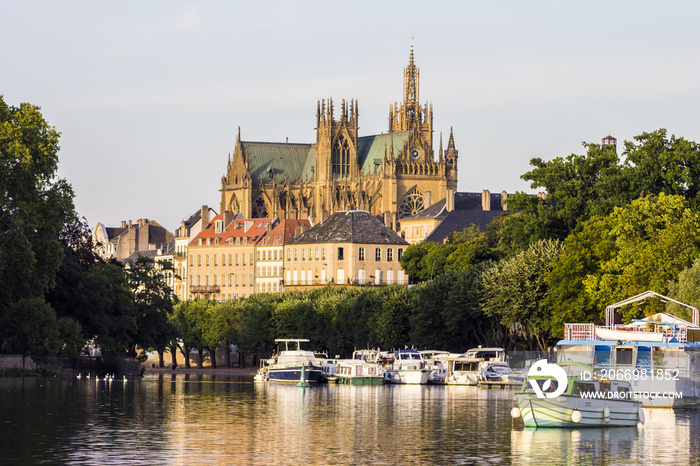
(340, 158)
(260, 208)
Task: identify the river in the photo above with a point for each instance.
(186, 419)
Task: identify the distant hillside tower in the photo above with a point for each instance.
(609, 141)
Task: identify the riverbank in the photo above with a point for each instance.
(205, 370)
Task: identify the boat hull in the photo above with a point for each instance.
(559, 412)
(361, 380)
(409, 377)
(293, 374)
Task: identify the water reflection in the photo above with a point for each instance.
(199, 418)
(664, 439)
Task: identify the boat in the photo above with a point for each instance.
(358, 372)
(478, 365)
(286, 365)
(572, 395)
(329, 369)
(262, 374)
(408, 368)
(657, 355)
(435, 362)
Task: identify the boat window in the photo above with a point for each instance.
(623, 356)
(602, 355)
(644, 357)
(552, 387)
(582, 387)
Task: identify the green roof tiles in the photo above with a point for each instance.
(296, 161)
(285, 160)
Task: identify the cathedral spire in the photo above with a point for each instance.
(411, 78)
(451, 142)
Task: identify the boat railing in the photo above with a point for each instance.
(587, 332)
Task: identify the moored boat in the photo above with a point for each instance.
(286, 366)
(657, 355)
(408, 368)
(571, 395)
(358, 372)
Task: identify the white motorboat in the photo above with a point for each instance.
(478, 365)
(408, 368)
(584, 399)
(286, 366)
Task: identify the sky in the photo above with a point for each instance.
(148, 96)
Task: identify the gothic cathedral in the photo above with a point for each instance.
(391, 175)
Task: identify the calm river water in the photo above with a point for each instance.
(200, 419)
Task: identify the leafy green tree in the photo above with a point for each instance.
(686, 290)
(466, 325)
(30, 329)
(390, 323)
(34, 206)
(255, 334)
(655, 239)
(106, 309)
(71, 335)
(577, 187)
(412, 261)
(153, 302)
(662, 164)
(514, 289)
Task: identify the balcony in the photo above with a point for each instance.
(204, 289)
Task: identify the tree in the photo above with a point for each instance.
(153, 302)
(577, 186)
(661, 164)
(513, 291)
(655, 239)
(30, 329)
(686, 290)
(34, 206)
(106, 309)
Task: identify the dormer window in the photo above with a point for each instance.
(270, 173)
(218, 226)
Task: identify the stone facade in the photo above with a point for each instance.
(349, 248)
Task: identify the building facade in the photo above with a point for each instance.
(188, 229)
(121, 242)
(221, 258)
(349, 248)
(391, 175)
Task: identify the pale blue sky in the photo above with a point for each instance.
(148, 95)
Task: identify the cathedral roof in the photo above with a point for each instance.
(352, 226)
(295, 162)
(286, 160)
(371, 148)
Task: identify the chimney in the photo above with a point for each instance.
(228, 218)
(504, 196)
(205, 216)
(486, 199)
(450, 200)
(129, 223)
(123, 223)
